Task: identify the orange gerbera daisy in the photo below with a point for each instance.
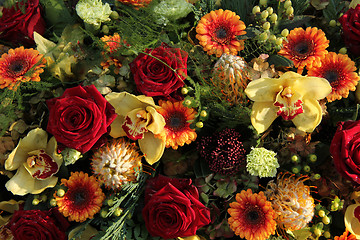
(83, 198)
(20, 65)
(112, 44)
(217, 32)
(339, 70)
(346, 236)
(305, 47)
(136, 3)
(177, 130)
(252, 216)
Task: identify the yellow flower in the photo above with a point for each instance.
(138, 119)
(8, 207)
(36, 162)
(352, 219)
(354, 3)
(292, 96)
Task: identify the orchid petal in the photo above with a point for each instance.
(310, 118)
(264, 89)
(351, 222)
(262, 115)
(158, 123)
(312, 87)
(35, 139)
(116, 127)
(22, 183)
(152, 147)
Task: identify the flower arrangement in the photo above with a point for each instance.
(183, 120)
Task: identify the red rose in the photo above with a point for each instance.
(172, 208)
(38, 225)
(154, 78)
(345, 150)
(79, 117)
(18, 26)
(351, 29)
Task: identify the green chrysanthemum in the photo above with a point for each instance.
(262, 162)
(93, 12)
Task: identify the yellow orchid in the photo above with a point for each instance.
(352, 219)
(292, 96)
(138, 119)
(36, 162)
(8, 207)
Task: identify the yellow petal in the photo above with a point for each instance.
(87, 233)
(311, 87)
(116, 127)
(354, 3)
(158, 123)
(310, 118)
(10, 206)
(195, 237)
(262, 115)
(35, 139)
(264, 89)
(152, 147)
(51, 149)
(125, 102)
(351, 222)
(22, 183)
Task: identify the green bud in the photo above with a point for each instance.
(326, 220)
(184, 91)
(327, 235)
(273, 17)
(289, 11)
(317, 232)
(199, 124)
(278, 41)
(53, 202)
(103, 213)
(256, 10)
(295, 158)
(188, 102)
(110, 202)
(264, 14)
(263, 2)
(266, 26)
(60, 192)
(312, 158)
(272, 38)
(35, 201)
(287, 4)
(296, 169)
(343, 50)
(105, 29)
(118, 212)
(203, 113)
(306, 168)
(285, 32)
(263, 36)
(332, 23)
(317, 176)
(321, 213)
(114, 15)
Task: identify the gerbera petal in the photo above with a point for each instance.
(152, 147)
(262, 115)
(311, 117)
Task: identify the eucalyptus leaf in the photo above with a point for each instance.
(280, 61)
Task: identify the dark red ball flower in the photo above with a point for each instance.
(172, 208)
(160, 71)
(19, 23)
(223, 151)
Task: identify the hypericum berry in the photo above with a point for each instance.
(184, 91)
(264, 14)
(343, 50)
(312, 158)
(256, 10)
(317, 232)
(321, 213)
(287, 4)
(60, 192)
(332, 23)
(270, 10)
(266, 26)
(285, 32)
(273, 17)
(199, 124)
(326, 220)
(290, 11)
(203, 113)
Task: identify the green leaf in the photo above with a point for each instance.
(251, 32)
(137, 231)
(278, 60)
(240, 7)
(300, 6)
(297, 21)
(333, 9)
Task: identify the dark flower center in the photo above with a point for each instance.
(331, 76)
(79, 197)
(221, 33)
(252, 216)
(176, 121)
(16, 67)
(302, 48)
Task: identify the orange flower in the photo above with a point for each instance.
(112, 44)
(217, 32)
(339, 70)
(83, 198)
(252, 216)
(136, 3)
(345, 236)
(20, 65)
(305, 47)
(177, 130)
